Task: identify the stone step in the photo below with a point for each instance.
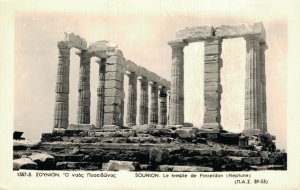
(78, 166)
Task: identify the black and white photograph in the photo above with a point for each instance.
(149, 94)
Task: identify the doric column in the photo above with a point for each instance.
(212, 83)
(84, 94)
(100, 93)
(61, 113)
(132, 99)
(114, 93)
(177, 83)
(154, 103)
(263, 47)
(143, 111)
(253, 85)
(122, 106)
(169, 106)
(162, 116)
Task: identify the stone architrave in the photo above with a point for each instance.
(162, 116)
(132, 99)
(84, 94)
(263, 47)
(212, 86)
(61, 113)
(143, 111)
(176, 113)
(100, 93)
(253, 85)
(154, 103)
(114, 94)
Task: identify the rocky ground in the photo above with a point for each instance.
(146, 150)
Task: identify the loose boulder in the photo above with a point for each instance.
(24, 163)
(43, 161)
(186, 133)
(115, 165)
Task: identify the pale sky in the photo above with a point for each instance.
(142, 35)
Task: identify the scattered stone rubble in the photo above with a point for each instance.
(182, 149)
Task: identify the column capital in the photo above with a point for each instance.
(101, 62)
(142, 79)
(152, 83)
(251, 37)
(263, 45)
(64, 45)
(177, 43)
(130, 73)
(83, 53)
(160, 87)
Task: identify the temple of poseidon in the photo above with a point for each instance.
(157, 137)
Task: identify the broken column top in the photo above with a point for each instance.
(198, 33)
(75, 41)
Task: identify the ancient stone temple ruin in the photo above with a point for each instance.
(159, 139)
(110, 92)
(255, 97)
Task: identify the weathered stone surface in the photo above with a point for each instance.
(196, 33)
(113, 76)
(44, 161)
(77, 166)
(116, 59)
(212, 68)
(268, 167)
(252, 132)
(144, 110)
(75, 41)
(113, 92)
(158, 156)
(144, 127)
(211, 77)
(212, 105)
(115, 165)
(153, 115)
(24, 163)
(186, 133)
(211, 126)
(174, 168)
(132, 67)
(252, 160)
(80, 127)
(212, 49)
(176, 111)
(100, 48)
(132, 99)
(241, 30)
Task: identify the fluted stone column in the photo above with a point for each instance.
(122, 106)
(61, 113)
(162, 116)
(176, 113)
(212, 83)
(84, 94)
(263, 47)
(169, 106)
(253, 86)
(154, 103)
(100, 93)
(114, 95)
(143, 111)
(132, 99)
